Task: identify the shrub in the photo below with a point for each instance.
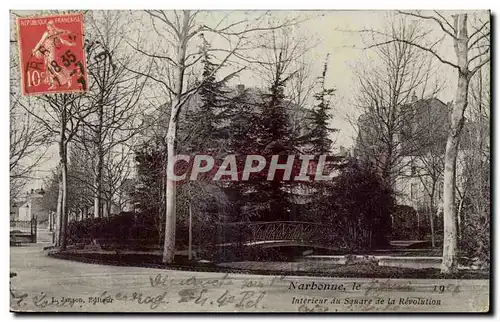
(360, 203)
(404, 224)
(125, 228)
(475, 238)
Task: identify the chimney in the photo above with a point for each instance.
(240, 88)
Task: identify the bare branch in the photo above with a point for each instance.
(163, 17)
(148, 75)
(483, 36)
(478, 67)
(152, 55)
(434, 53)
(478, 30)
(446, 21)
(439, 22)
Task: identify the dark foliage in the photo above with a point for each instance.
(149, 194)
(127, 229)
(474, 239)
(273, 137)
(319, 137)
(360, 203)
(202, 125)
(405, 226)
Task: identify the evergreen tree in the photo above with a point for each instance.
(203, 122)
(360, 204)
(317, 142)
(270, 197)
(149, 193)
(241, 134)
(319, 137)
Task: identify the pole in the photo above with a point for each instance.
(35, 223)
(190, 246)
(52, 226)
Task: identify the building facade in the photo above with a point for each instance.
(406, 148)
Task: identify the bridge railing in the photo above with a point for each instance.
(301, 232)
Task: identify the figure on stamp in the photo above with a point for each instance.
(55, 73)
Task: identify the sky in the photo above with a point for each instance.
(333, 33)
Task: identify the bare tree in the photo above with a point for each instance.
(183, 33)
(390, 132)
(471, 41)
(117, 171)
(282, 54)
(428, 167)
(114, 95)
(28, 139)
(474, 202)
(80, 190)
(301, 89)
(28, 143)
(61, 115)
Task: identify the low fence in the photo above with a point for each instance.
(23, 225)
(23, 231)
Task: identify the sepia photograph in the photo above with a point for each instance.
(250, 161)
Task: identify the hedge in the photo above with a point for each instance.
(124, 228)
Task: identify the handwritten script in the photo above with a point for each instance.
(222, 292)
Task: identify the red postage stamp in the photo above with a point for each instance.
(52, 55)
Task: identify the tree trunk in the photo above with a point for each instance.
(63, 187)
(64, 211)
(449, 208)
(98, 207)
(57, 220)
(459, 216)
(97, 199)
(171, 193)
(190, 242)
(450, 263)
(108, 207)
(431, 215)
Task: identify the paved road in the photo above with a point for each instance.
(48, 284)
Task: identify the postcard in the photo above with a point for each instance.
(250, 161)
